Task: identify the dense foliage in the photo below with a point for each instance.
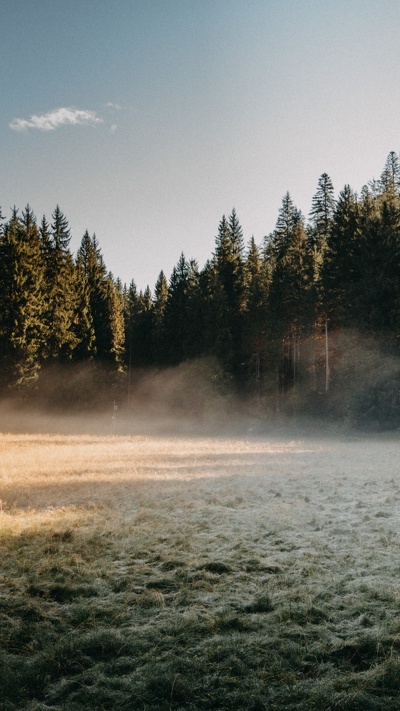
(310, 314)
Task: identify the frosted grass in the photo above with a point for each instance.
(273, 563)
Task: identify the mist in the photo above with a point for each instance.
(363, 393)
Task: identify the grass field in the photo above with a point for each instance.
(199, 571)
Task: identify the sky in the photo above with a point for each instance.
(148, 120)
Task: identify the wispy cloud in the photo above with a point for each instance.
(112, 105)
(54, 119)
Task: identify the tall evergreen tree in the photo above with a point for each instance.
(341, 267)
(159, 309)
(143, 342)
(321, 213)
(114, 350)
(194, 341)
(176, 314)
(63, 300)
(256, 312)
(84, 327)
(236, 235)
(229, 260)
(390, 176)
(105, 305)
(291, 303)
(289, 216)
(21, 299)
(60, 231)
(229, 264)
(213, 329)
(130, 312)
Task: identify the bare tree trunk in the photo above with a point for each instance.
(314, 366)
(294, 360)
(277, 390)
(129, 370)
(257, 357)
(327, 373)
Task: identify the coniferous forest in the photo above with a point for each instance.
(308, 322)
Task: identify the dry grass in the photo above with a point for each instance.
(194, 572)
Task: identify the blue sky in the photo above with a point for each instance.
(147, 120)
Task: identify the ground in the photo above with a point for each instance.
(199, 571)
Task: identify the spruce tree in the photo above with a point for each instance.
(289, 216)
(229, 261)
(176, 313)
(193, 345)
(114, 352)
(291, 302)
(213, 331)
(143, 342)
(63, 301)
(321, 217)
(390, 176)
(130, 312)
(105, 305)
(229, 264)
(341, 267)
(321, 213)
(22, 299)
(159, 309)
(256, 313)
(84, 327)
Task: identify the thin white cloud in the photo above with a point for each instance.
(112, 105)
(54, 119)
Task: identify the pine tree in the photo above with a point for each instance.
(61, 233)
(341, 267)
(236, 235)
(390, 176)
(229, 264)
(254, 275)
(213, 305)
(256, 313)
(84, 327)
(318, 231)
(63, 299)
(105, 305)
(193, 343)
(143, 343)
(130, 312)
(159, 309)
(176, 314)
(114, 352)
(321, 213)
(289, 216)
(291, 303)
(22, 294)
(229, 261)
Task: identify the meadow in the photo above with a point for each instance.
(197, 570)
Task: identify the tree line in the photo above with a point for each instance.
(285, 318)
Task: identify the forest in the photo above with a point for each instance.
(305, 323)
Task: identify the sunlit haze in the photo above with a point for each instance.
(146, 121)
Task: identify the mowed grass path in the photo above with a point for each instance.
(192, 572)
